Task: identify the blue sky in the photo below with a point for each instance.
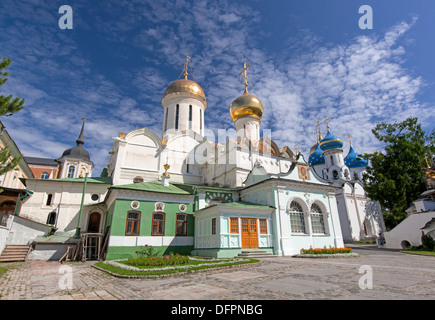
(309, 59)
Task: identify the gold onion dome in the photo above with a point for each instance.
(246, 105)
(186, 87)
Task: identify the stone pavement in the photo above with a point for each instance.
(394, 276)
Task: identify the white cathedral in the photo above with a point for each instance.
(185, 190)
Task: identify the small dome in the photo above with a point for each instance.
(77, 152)
(246, 105)
(331, 142)
(354, 160)
(316, 157)
(185, 86)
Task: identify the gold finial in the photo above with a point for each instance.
(296, 148)
(166, 166)
(319, 132)
(349, 137)
(185, 67)
(327, 123)
(245, 78)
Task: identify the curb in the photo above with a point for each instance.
(172, 275)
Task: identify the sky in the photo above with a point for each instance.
(308, 60)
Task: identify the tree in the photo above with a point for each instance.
(8, 106)
(395, 177)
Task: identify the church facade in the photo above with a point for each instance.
(182, 192)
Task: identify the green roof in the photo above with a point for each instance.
(240, 204)
(102, 180)
(156, 186)
(204, 187)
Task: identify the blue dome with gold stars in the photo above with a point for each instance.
(331, 142)
(316, 157)
(354, 160)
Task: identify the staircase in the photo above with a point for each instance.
(15, 252)
(255, 254)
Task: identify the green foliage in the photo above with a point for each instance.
(8, 106)
(171, 260)
(427, 242)
(148, 251)
(395, 177)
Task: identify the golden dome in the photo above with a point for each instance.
(246, 105)
(185, 86)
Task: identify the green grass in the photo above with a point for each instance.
(2, 271)
(418, 251)
(365, 242)
(193, 267)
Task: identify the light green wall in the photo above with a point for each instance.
(121, 207)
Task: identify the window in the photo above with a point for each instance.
(213, 226)
(49, 199)
(44, 175)
(137, 180)
(95, 197)
(177, 113)
(158, 227)
(335, 174)
(190, 116)
(133, 223)
(263, 226)
(71, 171)
(200, 119)
(317, 223)
(234, 225)
(297, 219)
(332, 160)
(166, 120)
(181, 227)
(51, 219)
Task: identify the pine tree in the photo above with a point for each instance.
(8, 106)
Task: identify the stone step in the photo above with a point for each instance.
(255, 254)
(15, 253)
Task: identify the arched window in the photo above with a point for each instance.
(181, 224)
(51, 219)
(71, 171)
(177, 114)
(335, 174)
(317, 221)
(158, 225)
(297, 219)
(44, 175)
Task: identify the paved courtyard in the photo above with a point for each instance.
(394, 276)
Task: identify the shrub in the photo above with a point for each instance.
(148, 251)
(427, 242)
(326, 251)
(171, 260)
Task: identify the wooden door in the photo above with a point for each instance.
(94, 222)
(249, 233)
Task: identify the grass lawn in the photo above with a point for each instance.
(121, 268)
(422, 252)
(2, 270)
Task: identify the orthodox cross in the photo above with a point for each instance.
(327, 122)
(318, 131)
(245, 71)
(185, 67)
(349, 137)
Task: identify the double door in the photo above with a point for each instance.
(249, 233)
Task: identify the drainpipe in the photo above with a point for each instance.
(26, 193)
(77, 235)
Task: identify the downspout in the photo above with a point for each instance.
(26, 193)
(77, 235)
